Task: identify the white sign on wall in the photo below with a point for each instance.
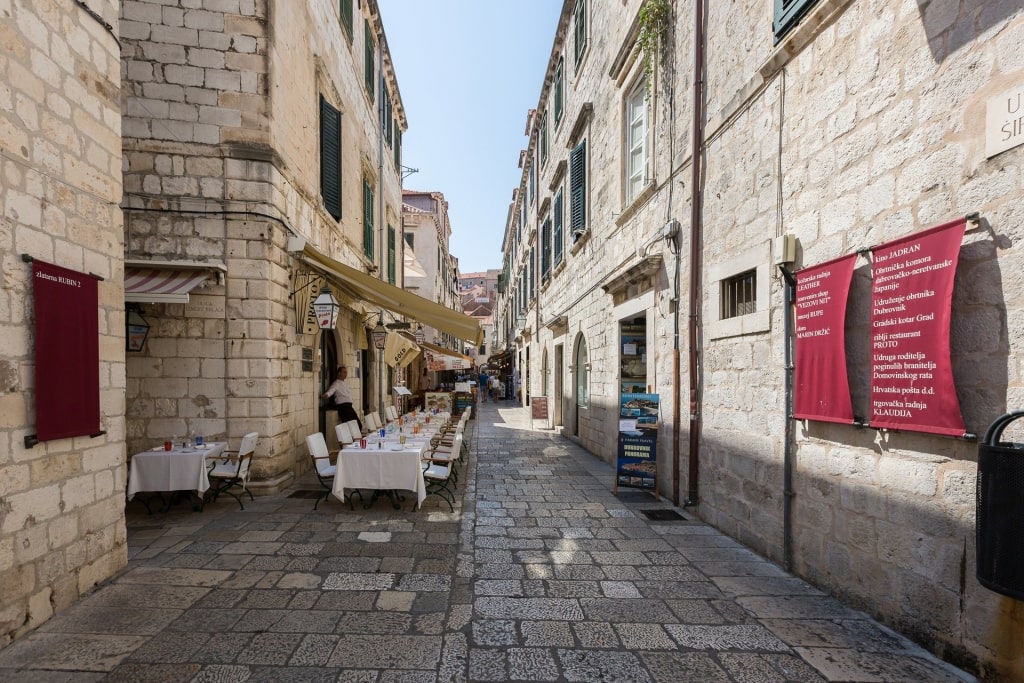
(1004, 122)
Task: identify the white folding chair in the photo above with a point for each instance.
(373, 420)
(391, 413)
(344, 433)
(317, 447)
(353, 429)
(231, 468)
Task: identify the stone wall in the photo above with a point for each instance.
(62, 501)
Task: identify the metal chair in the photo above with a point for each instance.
(439, 471)
(231, 468)
(317, 447)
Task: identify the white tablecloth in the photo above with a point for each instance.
(380, 469)
(179, 469)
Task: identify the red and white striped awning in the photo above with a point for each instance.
(164, 281)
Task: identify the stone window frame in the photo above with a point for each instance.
(758, 259)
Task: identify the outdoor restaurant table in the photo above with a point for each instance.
(381, 469)
(179, 469)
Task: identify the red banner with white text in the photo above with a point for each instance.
(821, 390)
(912, 292)
(66, 351)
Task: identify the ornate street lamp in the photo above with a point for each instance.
(380, 336)
(136, 330)
(419, 335)
(326, 308)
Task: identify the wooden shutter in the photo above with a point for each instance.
(545, 249)
(558, 92)
(578, 189)
(367, 219)
(787, 14)
(371, 59)
(556, 236)
(330, 158)
(580, 29)
(346, 17)
(398, 149)
(391, 254)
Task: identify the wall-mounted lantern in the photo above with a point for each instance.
(326, 308)
(136, 330)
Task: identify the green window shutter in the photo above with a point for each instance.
(787, 14)
(578, 190)
(386, 116)
(544, 139)
(371, 60)
(391, 254)
(545, 249)
(580, 29)
(330, 158)
(532, 180)
(398, 149)
(557, 233)
(558, 92)
(346, 17)
(367, 219)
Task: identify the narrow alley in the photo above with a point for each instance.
(540, 574)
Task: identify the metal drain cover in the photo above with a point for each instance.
(664, 515)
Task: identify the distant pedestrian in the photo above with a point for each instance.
(482, 386)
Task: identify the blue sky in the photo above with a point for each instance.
(468, 71)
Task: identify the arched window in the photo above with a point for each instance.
(582, 372)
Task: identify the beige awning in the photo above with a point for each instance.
(439, 358)
(399, 350)
(394, 299)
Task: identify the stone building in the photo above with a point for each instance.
(262, 148)
(61, 500)
(647, 202)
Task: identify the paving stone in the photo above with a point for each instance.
(347, 600)
(666, 667)
(222, 648)
(752, 667)
(374, 622)
(596, 634)
(796, 607)
(307, 621)
(266, 599)
(86, 652)
(299, 580)
(37, 676)
(269, 648)
(850, 665)
(596, 665)
(395, 601)
(358, 581)
(133, 672)
(644, 637)
(170, 647)
(529, 608)
(547, 634)
(221, 673)
(859, 634)
(85, 617)
(729, 637)
(425, 582)
(619, 589)
(280, 674)
(531, 664)
(349, 564)
(395, 652)
(626, 611)
(314, 650)
(495, 632)
(487, 665)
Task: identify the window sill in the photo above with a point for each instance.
(641, 200)
(800, 36)
(578, 244)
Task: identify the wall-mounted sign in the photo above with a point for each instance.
(821, 390)
(205, 306)
(1004, 122)
(912, 292)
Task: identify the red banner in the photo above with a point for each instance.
(911, 376)
(821, 390)
(67, 352)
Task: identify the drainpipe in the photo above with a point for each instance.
(788, 291)
(382, 218)
(696, 202)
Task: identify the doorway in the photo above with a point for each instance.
(581, 367)
(328, 372)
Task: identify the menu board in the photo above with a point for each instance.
(912, 290)
(821, 390)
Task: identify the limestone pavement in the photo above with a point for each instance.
(540, 574)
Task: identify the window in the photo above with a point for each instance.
(330, 158)
(636, 141)
(556, 236)
(367, 219)
(370, 60)
(386, 116)
(582, 371)
(739, 295)
(579, 19)
(398, 149)
(787, 14)
(410, 239)
(578, 190)
(532, 180)
(544, 139)
(558, 93)
(545, 250)
(346, 18)
(391, 254)
(532, 269)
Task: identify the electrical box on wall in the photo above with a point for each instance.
(785, 249)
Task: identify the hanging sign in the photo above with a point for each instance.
(67, 381)
(912, 291)
(821, 390)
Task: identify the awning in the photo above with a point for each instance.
(392, 298)
(164, 281)
(399, 350)
(439, 358)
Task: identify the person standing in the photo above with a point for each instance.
(342, 398)
(481, 385)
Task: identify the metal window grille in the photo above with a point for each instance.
(739, 295)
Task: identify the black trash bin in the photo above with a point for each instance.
(1000, 509)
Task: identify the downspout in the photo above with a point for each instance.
(696, 205)
(382, 218)
(788, 290)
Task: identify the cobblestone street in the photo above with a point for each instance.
(540, 574)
